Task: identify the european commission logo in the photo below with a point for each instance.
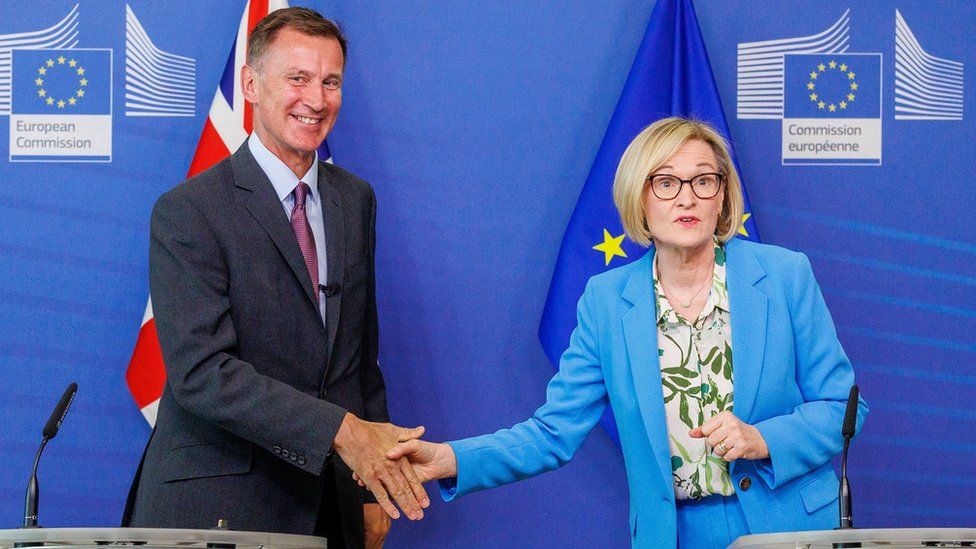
(830, 99)
(832, 109)
(61, 105)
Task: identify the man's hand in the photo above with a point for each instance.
(362, 444)
(732, 438)
(430, 460)
(377, 524)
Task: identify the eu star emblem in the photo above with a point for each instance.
(832, 85)
(65, 81)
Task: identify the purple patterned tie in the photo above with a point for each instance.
(303, 232)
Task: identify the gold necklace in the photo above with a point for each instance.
(686, 304)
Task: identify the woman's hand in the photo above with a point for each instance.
(731, 437)
(430, 460)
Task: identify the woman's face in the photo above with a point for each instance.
(685, 222)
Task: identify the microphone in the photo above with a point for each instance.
(330, 289)
(50, 431)
(844, 496)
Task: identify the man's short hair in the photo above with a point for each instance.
(304, 20)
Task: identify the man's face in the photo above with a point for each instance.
(296, 91)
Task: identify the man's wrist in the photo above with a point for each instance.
(342, 436)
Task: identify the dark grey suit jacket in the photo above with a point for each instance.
(257, 385)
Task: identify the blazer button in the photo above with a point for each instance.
(745, 483)
(293, 456)
(277, 450)
(301, 460)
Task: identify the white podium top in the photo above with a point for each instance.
(886, 537)
(155, 538)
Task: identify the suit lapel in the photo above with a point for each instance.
(640, 334)
(748, 308)
(264, 205)
(334, 250)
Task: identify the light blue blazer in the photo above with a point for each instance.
(791, 380)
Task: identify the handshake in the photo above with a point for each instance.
(392, 463)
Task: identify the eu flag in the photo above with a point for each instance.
(835, 85)
(61, 81)
(671, 76)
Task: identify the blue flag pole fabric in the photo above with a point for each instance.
(671, 76)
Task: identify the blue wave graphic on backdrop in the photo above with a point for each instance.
(157, 83)
(926, 87)
(759, 72)
(63, 34)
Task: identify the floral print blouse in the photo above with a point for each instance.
(696, 375)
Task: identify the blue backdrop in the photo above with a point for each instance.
(477, 125)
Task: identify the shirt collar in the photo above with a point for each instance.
(718, 294)
(281, 176)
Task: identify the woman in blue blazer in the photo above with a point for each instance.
(729, 402)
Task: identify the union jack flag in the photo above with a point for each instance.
(227, 126)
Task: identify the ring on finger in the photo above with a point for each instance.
(722, 447)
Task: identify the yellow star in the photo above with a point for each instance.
(811, 85)
(61, 60)
(821, 105)
(72, 100)
(832, 107)
(80, 93)
(843, 67)
(81, 71)
(610, 246)
(843, 104)
(850, 97)
(821, 67)
(42, 70)
(39, 81)
(742, 228)
(833, 64)
(813, 75)
(61, 104)
(83, 81)
(50, 62)
(50, 100)
(72, 63)
(850, 75)
(854, 86)
(813, 97)
(41, 92)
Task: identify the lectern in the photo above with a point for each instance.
(888, 538)
(154, 538)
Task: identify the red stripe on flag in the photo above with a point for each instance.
(210, 150)
(146, 374)
(257, 10)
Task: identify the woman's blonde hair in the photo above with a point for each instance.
(652, 147)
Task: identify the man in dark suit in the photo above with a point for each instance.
(262, 277)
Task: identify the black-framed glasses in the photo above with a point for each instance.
(704, 185)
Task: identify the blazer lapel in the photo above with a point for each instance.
(264, 205)
(335, 251)
(749, 308)
(640, 334)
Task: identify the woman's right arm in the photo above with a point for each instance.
(575, 399)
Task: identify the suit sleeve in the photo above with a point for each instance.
(575, 399)
(374, 388)
(809, 436)
(189, 286)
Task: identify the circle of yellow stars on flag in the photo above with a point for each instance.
(842, 69)
(52, 66)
